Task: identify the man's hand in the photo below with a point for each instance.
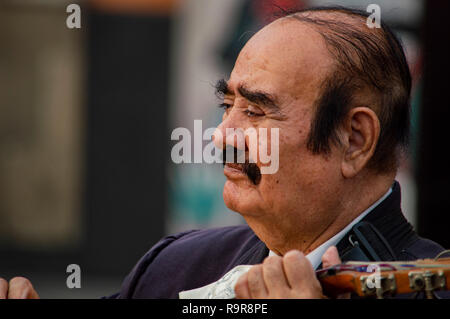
(18, 288)
(289, 277)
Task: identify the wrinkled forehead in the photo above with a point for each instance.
(287, 57)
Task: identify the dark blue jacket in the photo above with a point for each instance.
(196, 258)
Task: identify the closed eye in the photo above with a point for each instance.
(252, 114)
(224, 106)
(253, 111)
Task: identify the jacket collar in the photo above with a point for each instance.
(389, 220)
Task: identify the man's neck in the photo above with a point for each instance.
(315, 256)
(357, 203)
(353, 204)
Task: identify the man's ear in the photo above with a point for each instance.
(360, 133)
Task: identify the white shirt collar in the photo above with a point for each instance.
(315, 256)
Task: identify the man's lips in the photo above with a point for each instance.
(232, 170)
(235, 166)
(239, 171)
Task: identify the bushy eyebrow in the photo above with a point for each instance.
(222, 88)
(257, 97)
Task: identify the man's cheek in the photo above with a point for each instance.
(272, 168)
(269, 150)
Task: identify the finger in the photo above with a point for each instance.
(241, 290)
(298, 269)
(256, 285)
(274, 276)
(331, 257)
(21, 288)
(3, 288)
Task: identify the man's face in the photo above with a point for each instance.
(274, 84)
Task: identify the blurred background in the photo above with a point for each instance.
(86, 117)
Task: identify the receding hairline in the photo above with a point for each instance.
(331, 15)
(322, 20)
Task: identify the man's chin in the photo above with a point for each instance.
(240, 198)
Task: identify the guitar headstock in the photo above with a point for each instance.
(386, 278)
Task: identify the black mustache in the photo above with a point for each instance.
(253, 172)
(250, 169)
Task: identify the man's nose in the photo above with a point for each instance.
(227, 134)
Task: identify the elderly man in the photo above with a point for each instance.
(338, 91)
